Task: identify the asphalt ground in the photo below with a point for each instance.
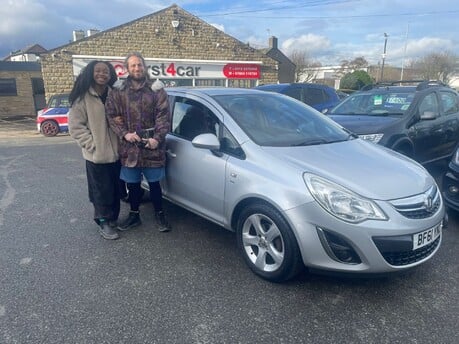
(61, 283)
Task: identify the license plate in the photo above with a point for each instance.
(426, 237)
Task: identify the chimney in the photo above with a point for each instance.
(77, 35)
(91, 32)
(273, 42)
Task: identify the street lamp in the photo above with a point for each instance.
(383, 56)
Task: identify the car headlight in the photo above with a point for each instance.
(375, 138)
(341, 202)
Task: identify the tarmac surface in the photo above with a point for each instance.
(18, 126)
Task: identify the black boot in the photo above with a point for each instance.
(133, 220)
(106, 231)
(161, 222)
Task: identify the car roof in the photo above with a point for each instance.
(388, 89)
(212, 91)
(282, 86)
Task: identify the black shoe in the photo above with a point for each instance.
(133, 220)
(107, 232)
(161, 222)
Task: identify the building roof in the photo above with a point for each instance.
(35, 49)
(16, 66)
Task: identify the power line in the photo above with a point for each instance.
(421, 14)
(287, 7)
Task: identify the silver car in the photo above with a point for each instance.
(297, 188)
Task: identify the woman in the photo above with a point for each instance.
(99, 144)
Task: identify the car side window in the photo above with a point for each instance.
(449, 103)
(294, 92)
(313, 96)
(190, 119)
(429, 104)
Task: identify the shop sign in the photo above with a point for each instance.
(241, 71)
(181, 69)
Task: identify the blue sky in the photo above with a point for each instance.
(328, 30)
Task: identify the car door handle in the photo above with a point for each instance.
(171, 154)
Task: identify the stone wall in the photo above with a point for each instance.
(155, 37)
(23, 102)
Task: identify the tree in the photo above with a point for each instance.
(347, 66)
(306, 69)
(436, 66)
(355, 80)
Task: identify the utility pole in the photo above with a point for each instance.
(383, 56)
(404, 50)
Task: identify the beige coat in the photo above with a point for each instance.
(89, 127)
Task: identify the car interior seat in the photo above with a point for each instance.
(193, 123)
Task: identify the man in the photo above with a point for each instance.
(138, 112)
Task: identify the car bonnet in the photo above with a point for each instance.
(363, 124)
(370, 170)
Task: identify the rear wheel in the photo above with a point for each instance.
(49, 128)
(268, 244)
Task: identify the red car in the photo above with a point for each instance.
(53, 119)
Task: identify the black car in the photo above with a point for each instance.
(320, 97)
(420, 121)
(450, 183)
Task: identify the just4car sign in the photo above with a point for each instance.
(182, 69)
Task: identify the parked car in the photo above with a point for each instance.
(420, 121)
(297, 188)
(53, 119)
(320, 97)
(450, 183)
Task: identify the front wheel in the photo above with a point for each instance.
(268, 244)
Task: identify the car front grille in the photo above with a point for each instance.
(420, 206)
(400, 258)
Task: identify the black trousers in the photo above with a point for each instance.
(104, 189)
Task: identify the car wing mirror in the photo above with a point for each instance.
(206, 141)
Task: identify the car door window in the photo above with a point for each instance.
(294, 92)
(429, 104)
(190, 119)
(449, 103)
(313, 96)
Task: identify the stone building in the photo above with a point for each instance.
(21, 88)
(179, 48)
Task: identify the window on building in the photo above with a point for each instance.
(8, 87)
(210, 82)
(249, 83)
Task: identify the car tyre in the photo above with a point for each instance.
(267, 243)
(49, 128)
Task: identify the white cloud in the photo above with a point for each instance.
(311, 43)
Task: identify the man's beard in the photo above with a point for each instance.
(140, 79)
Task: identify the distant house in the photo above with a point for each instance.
(286, 68)
(29, 54)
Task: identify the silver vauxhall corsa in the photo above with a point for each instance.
(297, 188)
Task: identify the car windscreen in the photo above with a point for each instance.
(375, 103)
(277, 120)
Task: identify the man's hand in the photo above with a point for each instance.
(151, 143)
(132, 137)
